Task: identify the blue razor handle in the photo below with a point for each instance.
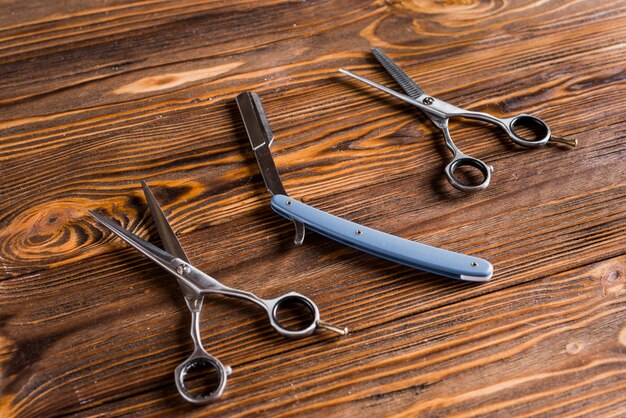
(387, 246)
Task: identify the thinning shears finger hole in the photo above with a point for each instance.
(469, 173)
(529, 130)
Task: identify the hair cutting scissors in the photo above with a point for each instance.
(195, 284)
(440, 113)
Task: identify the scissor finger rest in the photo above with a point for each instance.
(200, 359)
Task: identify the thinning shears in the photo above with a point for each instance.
(195, 284)
(440, 113)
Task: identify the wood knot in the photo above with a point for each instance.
(46, 233)
(613, 280)
(52, 221)
(574, 348)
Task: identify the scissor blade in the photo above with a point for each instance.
(409, 86)
(168, 237)
(427, 109)
(261, 138)
(170, 243)
(151, 251)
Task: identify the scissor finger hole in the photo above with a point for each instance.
(468, 172)
(530, 128)
(294, 313)
(200, 378)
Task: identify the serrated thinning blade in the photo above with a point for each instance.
(408, 85)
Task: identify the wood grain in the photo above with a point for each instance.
(95, 96)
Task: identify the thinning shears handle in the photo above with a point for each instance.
(461, 160)
(541, 133)
(390, 247)
(513, 126)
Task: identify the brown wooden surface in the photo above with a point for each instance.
(97, 95)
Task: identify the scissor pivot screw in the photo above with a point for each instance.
(474, 264)
(428, 100)
(358, 232)
(289, 202)
(182, 269)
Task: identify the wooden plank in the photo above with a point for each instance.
(315, 162)
(552, 345)
(95, 96)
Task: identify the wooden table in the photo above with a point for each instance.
(97, 95)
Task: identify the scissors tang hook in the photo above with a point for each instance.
(564, 140)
